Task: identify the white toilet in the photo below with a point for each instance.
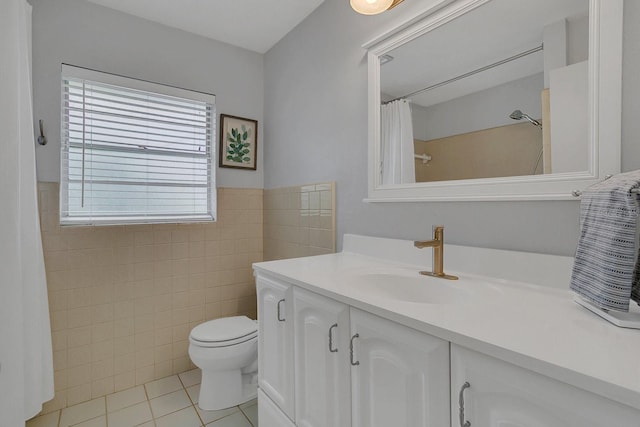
(226, 350)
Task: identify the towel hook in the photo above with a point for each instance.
(42, 140)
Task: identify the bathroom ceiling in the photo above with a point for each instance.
(256, 25)
(476, 40)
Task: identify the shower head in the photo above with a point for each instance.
(516, 115)
(519, 115)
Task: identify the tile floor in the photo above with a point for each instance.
(168, 402)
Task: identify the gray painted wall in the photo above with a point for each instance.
(485, 109)
(316, 130)
(87, 35)
(577, 39)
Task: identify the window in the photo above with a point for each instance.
(134, 151)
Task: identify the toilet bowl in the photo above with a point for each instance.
(226, 350)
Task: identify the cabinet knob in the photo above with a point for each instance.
(463, 423)
(331, 349)
(356, 362)
(280, 318)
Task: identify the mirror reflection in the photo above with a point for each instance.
(511, 100)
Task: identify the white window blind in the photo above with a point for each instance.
(134, 151)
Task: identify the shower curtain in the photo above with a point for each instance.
(26, 363)
(398, 164)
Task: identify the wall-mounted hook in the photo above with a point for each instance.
(41, 139)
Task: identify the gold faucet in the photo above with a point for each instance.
(438, 253)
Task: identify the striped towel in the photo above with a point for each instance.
(606, 271)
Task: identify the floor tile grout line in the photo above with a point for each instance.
(173, 412)
(229, 415)
(144, 387)
(196, 409)
(191, 400)
(181, 409)
(148, 400)
(181, 382)
(128, 405)
(145, 422)
(106, 417)
(88, 419)
(84, 421)
(164, 394)
(153, 416)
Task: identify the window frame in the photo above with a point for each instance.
(78, 73)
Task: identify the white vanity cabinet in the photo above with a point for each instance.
(322, 386)
(399, 376)
(494, 393)
(269, 414)
(275, 342)
(324, 363)
(363, 352)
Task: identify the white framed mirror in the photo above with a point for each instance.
(496, 100)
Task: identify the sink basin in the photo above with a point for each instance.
(411, 288)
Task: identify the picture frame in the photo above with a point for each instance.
(238, 142)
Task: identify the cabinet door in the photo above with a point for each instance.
(503, 395)
(269, 414)
(399, 376)
(275, 342)
(323, 394)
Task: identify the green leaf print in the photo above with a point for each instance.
(238, 146)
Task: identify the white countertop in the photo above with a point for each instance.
(536, 327)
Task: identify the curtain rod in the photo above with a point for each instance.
(471, 73)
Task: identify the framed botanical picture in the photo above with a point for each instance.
(238, 142)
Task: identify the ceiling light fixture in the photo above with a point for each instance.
(373, 7)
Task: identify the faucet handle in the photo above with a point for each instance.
(438, 231)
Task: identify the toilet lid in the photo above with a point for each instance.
(225, 329)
